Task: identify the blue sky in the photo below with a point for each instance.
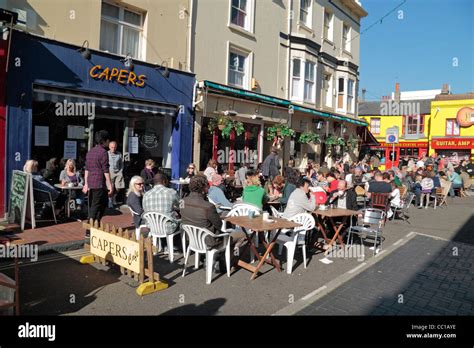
(417, 51)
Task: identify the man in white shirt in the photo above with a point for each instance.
(299, 202)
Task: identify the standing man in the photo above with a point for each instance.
(116, 172)
(271, 165)
(375, 161)
(97, 176)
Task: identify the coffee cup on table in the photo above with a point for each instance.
(70, 184)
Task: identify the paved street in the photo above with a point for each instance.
(421, 269)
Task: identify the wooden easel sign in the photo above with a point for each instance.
(121, 248)
(21, 203)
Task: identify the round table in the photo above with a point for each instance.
(69, 190)
(180, 184)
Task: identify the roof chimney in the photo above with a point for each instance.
(397, 92)
(445, 89)
(362, 97)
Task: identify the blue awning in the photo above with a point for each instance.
(55, 95)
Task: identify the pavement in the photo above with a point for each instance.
(414, 262)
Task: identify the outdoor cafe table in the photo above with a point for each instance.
(180, 184)
(329, 215)
(260, 226)
(69, 190)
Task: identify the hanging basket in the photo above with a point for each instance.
(221, 127)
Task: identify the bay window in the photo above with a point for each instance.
(309, 82)
(296, 79)
(341, 85)
(350, 95)
(303, 80)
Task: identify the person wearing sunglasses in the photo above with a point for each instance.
(135, 197)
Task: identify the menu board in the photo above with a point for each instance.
(20, 193)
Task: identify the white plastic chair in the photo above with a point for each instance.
(157, 223)
(296, 238)
(197, 243)
(221, 207)
(139, 228)
(275, 212)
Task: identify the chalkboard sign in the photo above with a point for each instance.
(21, 192)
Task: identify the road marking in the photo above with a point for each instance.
(356, 268)
(311, 294)
(398, 241)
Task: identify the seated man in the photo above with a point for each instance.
(379, 185)
(162, 199)
(456, 181)
(197, 211)
(299, 202)
(40, 183)
(216, 193)
(343, 197)
(253, 192)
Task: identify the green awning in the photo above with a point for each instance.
(237, 92)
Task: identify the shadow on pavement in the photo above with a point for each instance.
(210, 307)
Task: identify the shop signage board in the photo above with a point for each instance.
(122, 76)
(465, 116)
(452, 143)
(405, 144)
(134, 257)
(119, 250)
(21, 199)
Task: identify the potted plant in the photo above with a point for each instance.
(352, 142)
(334, 140)
(280, 131)
(230, 125)
(309, 137)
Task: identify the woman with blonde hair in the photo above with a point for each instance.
(31, 166)
(70, 175)
(135, 197)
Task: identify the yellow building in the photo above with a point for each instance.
(452, 125)
(411, 117)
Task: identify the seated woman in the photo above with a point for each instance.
(253, 192)
(40, 183)
(395, 201)
(190, 173)
(217, 195)
(69, 175)
(275, 190)
(135, 197)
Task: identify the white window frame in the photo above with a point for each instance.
(309, 14)
(121, 23)
(328, 98)
(344, 94)
(330, 33)
(297, 95)
(372, 128)
(250, 18)
(231, 48)
(346, 41)
(350, 107)
(313, 95)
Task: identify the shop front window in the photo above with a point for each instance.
(229, 152)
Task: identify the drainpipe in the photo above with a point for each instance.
(190, 32)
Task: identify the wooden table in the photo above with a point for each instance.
(258, 225)
(329, 215)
